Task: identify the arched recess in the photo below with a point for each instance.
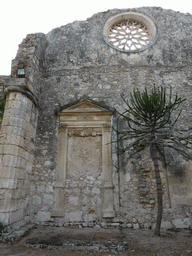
(82, 115)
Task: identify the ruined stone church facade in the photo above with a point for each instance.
(57, 165)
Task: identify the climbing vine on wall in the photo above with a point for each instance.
(2, 102)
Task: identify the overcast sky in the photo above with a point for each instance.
(21, 17)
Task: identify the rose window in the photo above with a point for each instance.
(129, 35)
(130, 32)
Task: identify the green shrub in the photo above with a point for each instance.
(2, 228)
(2, 103)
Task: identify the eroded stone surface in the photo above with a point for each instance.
(67, 64)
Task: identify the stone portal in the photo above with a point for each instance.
(84, 189)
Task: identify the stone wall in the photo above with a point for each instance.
(30, 56)
(78, 62)
(1, 97)
(19, 128)
(17, 137)
(74, 61)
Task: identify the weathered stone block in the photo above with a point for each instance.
(178, 223)
(73, 200)
(7, 172)
(16, 216)
(8, 183)
(96, 191)
(187, 222)
(14, 139)
(12, 150)
(36, 200)
(43, 216)
(48, 199)
(136, 226)
(8, 205)
(74, 216)
(41, 188)
(49, 188)
(166, 225)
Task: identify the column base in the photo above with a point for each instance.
(109, 214)
(57, 213)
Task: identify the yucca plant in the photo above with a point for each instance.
(150, 119)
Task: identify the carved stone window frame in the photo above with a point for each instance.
(84, 114)
(140, 18)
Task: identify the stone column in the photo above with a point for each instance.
(108, 211)
(16, 153)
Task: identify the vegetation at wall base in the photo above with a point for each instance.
(2, 228)
(2, 103)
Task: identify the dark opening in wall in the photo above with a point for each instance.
(21, 73)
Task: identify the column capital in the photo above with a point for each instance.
(24, 90)
(107, 127)
(62, 128)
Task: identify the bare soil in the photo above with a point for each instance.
(50, 241)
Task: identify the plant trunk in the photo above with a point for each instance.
(154, 156)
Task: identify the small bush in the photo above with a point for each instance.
(2, 228)
(2, 103)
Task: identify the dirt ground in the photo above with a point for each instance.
(51, 241)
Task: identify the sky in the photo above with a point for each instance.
(21, 17)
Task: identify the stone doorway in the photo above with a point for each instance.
(83, 189)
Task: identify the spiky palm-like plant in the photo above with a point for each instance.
(151, 122)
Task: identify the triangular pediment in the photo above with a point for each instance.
(85, 105)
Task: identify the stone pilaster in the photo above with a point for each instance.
(60, 174)
(108, 201)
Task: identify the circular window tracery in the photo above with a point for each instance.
(129, 35)
(130, 32)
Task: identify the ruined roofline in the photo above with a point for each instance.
(116, 11)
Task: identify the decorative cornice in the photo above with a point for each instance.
(26, 91)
